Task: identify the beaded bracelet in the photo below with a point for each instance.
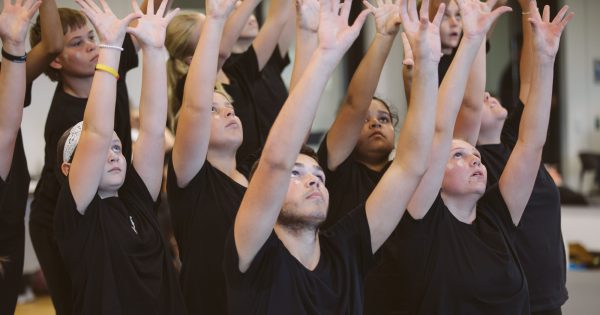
(111, 47)
(108, 69)
(13, 58)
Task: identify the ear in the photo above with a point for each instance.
(188, 60)
(65, 167)
(56, 64)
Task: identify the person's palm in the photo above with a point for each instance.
(308, 14)
(219, 8)
(546, 33)
(387, 18)
(14, 20)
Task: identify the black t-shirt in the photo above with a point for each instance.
(202, 214)
(538, 238)
(65, 111)
(439, 265)
(262, 95)
(349, 185)
(115, 254)
(277, 283)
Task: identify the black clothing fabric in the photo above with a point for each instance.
(202, 214)
(349, 185)
(444, 65)
(56, 275)
(277, 283)
(557, 311)
(538, 238)
(440, 265)
(118, 261)
(65, 111)
(260, 98)
(13, 201)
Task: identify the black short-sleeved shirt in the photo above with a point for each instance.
(202, 214)
(115, 254)
(277, 283)
(439, 265)
(538, 238)
(349, 185)
(65, 111)
(262, 94)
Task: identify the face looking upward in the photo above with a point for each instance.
(225, 126)
(450, 28)
(377, 133)
(79, 55)
(464, 172)
(307, 199)
(493, 113)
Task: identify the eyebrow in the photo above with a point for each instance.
(316, 167)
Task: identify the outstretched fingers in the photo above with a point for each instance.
(439, 15)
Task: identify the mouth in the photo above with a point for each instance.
(114, 170)
(315, 195)
(232, 124)
(377, 133)
(478, 174)
(95, 59)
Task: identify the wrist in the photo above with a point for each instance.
(13, 47)
(216, 19)
(150, 51)
(385, 36)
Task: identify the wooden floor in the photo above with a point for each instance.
(41, 306)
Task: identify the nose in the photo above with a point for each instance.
(374, 123)
(313, 181)
(91, 45)
(228, 112)
(475, 161)
(113, 157)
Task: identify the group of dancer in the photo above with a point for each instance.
(463, 219)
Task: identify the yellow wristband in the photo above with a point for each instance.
(108, 69)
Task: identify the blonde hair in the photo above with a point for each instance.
(181, 40)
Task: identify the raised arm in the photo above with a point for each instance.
(525, 63)
(343, 134)
(233, 28)
(51, 44)
(518, 177)
(268, 37)
(98, 120)
(388, 200)
(144, 8)
(14, 21)
(148, 150)
(307, 23)
(193, 130)
(476, 23)
(264, 198)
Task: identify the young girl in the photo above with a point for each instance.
(355, 152)
(105, 222)
(462, 256)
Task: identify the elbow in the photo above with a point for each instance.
(54, 47)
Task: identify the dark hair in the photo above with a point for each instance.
(393, 115)
(60, 148)
(306, 150)
(70, 20)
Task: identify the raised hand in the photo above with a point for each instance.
(14, 20)
(546, 34)
(219, 9)
(334, 31)
(478, 17)
(151, 28)
(387, 16)
(423, 36)
(110, 29)
(308, 14)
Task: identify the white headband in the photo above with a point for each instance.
(72, 141)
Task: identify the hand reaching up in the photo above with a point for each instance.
(14, 21)
(478, 17)
(219, 9)
(423, 36)
(308, 14)
(334, 32)
(546, 33)
(151, 28)
(110, 30)
(387, 16)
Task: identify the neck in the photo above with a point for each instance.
(447, 50)
(462, 208)
(490, 135)
(224, 161)
(77, 87)
(302, 243)
(107, 194)
(241, 45)
(374, 161)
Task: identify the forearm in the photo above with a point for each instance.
(12, 93)
(268, 37)
(366, 78)
(153, 109)
(306, 44)
(525, 63)
(536, 114)
(52, 36)
(233, 28)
